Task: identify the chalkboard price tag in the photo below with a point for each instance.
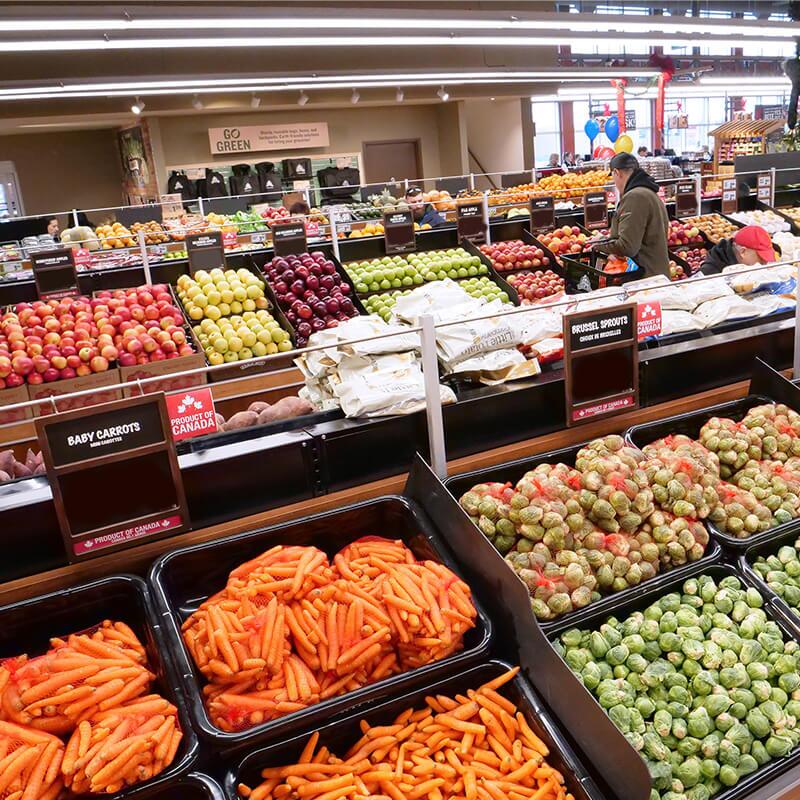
(764, 188)
(730, 202)
(54, 273)
(289, 238)
(595, 210)
(601, 362)
(471, 221)
(543, 214)
(686, 199)
(114, 475)
(398, 232)
(205, 251)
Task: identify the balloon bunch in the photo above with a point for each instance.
(621, 141)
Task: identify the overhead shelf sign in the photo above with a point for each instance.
(255, 138)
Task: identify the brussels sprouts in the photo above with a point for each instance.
(757, 723)
(699, 722)
(740, 736)
(728, 775)
(716, 703)
(759, 753)
(747, 764)
(729, 753)
(710, 745)
(688, 773)
(621, 717)
(779, 745)
(655, 748)
(660, 773)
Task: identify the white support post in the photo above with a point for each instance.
(796, 358)
(200, 206)
(772, 187)
(472, 181)
(433, 400)
(145, 260)
(698, 192)
(334, 236)
(533, 175)
(486, 217)
(75, 217)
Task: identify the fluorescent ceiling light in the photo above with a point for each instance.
(598, 23)
(455, 40)
(145, 86)
(715, 80)
(310, 86)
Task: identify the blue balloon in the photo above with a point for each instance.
(591, 129)
(612, 128)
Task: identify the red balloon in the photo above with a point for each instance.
(599, 149)
(606, 152)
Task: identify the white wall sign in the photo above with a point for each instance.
(255, 138)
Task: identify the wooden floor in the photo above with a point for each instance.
(139, 558)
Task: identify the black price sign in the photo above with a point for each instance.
(601, 362)
(54, 274)
(114, 475)
(543, 214)
(764, 188)
(730, 202)
(289, 238)
(686, 199)
(595, 210)
(398, 232)
(471, 221)
(205, 251)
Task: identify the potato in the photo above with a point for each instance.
(220, 421)
(258, 406)
(4, 476)
(242, 419)
(7, 461)
(40, 469)
(30, 460)
(267, 415)
(21, 471)
(288, 407)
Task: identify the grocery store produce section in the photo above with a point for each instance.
(573, 614)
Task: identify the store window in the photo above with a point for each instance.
(548, 130)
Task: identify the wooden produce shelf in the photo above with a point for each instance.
(138, 559)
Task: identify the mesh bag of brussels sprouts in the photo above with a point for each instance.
(733, 443)
(739, 513)
(781, 572)
(702, 683)
(777, 427)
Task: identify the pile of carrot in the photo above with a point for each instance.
(88, 690)
(290, 628)
(477, 746)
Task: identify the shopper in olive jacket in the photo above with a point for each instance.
(639, 228)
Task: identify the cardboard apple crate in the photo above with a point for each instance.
(9, 397)
(165, 368)
(96, 381)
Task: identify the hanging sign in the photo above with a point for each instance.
(398, 232)
(171, 207)
(730, 202)
(601, 362)
(630, 119)
(253, 138)
(54, 273)
(686, 199)
(289, 238)
(114, 475)
(649, 319)
(595, 210)
(764, 188)
(205, 251)
(471, 221)
(543, 214)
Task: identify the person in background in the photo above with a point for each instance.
(84, 220)
(299, 207)
(424, 213)
(53, 227)
(554, 162)
(642, 152)
(750, 245)
(705, 153)
(639, 227)
(569, 161)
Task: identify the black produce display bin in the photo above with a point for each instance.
(183, 579)
(690, 424)
(512, 471)
(770, 547)
(194, 786)
(519, 638)
(28, 626)
(341, 734)
(749, 786)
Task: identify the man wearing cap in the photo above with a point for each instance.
(639, 227)
(750, 245)
(424, 213)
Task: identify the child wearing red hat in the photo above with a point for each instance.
(750, 245)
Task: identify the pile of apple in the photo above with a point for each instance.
(42, 342)
(533, 286)
(694, 257)
(515, 254)
(311, 293)
(567, 240)
(275, 214)
(683, 233)
(676, 271)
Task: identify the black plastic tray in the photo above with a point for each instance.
(513, 471)
(195, 786)
(781, 608)
(689, 424)
(642, 599)
(340, 734)
(28, 626)
(183, 579)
